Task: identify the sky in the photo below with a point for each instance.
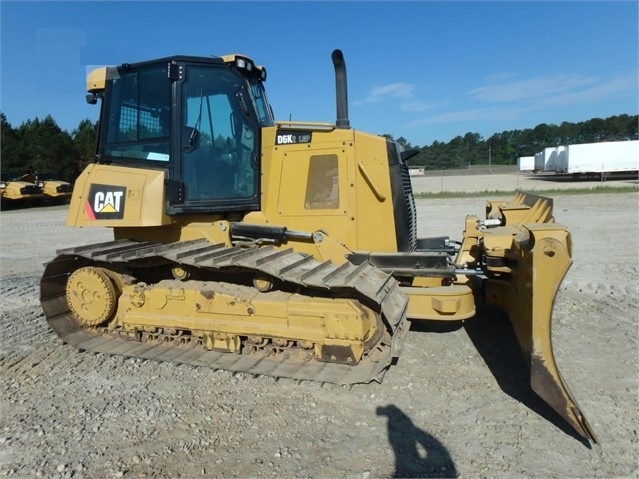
(423, 70)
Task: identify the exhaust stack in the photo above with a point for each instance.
(341, 91)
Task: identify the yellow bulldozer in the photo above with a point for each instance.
(279, 248)
(53, 189)
(18, 190)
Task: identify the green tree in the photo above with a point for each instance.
(593, 130)
(472, 143)
(84, 140)
(44, 147)
(10, 144)
(404, 142)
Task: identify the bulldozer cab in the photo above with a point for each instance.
(197, 119)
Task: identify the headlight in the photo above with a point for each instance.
(244, 64)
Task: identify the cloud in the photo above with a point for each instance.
(615, 87)
(404, 91)
(415, 106)
(471, 114)
(509, 100)
(531, 88)
(557, 89)
(501, 76)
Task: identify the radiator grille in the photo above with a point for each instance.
(410, 206)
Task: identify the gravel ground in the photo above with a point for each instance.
(515, 181)
(456, 404)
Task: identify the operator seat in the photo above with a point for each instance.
(206, 175)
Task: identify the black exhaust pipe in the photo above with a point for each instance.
(341, 91)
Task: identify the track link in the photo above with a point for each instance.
(363, 282)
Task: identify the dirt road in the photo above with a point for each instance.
(456, 404)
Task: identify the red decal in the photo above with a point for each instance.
(89, 211)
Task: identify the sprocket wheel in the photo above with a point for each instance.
(91, 295)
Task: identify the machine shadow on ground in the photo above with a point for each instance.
(417, 453)
(493, 336)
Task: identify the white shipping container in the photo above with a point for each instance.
(526, 163)
(604, 157)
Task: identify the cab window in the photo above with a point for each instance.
(138, 121)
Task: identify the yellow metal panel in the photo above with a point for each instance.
(284, 187)
(443, 303)
(226, 309)
(295, 199)
(374, 218)
(133, 196)
(364, 219)
(96, 79)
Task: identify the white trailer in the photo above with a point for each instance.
(526, 163)
(555, 157)
(540, 161)
(603, 157)
(548, 159)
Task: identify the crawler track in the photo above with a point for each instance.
(294, 270)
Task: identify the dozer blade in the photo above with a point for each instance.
(523, 280)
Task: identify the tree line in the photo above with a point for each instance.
(506, 147)
(42, 146)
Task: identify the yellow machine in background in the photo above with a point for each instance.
(54, 190)
(15, 189)
(280, 248)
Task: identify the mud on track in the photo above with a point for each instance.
(456, 404)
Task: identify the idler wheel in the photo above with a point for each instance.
(91, 295)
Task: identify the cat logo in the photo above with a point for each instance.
(105, 202)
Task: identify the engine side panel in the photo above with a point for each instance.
(338, 181)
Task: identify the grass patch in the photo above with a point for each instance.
(548, 192)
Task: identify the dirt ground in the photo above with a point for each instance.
(457, 403)
(516, 181)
